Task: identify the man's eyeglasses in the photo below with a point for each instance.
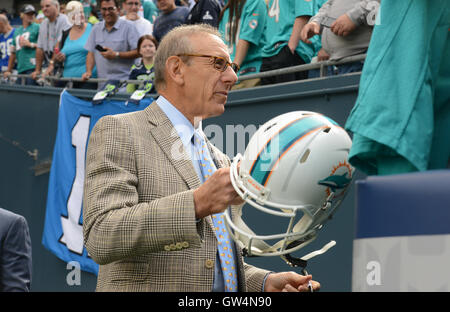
(219, 63)
(110, 9)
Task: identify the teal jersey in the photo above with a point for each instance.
(150, 10)
(280, 22)
(251, 28)
(25, 56)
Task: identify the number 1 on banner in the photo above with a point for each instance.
(72, 228)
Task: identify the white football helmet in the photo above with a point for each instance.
(295, 166)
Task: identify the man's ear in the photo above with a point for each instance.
(175, 70)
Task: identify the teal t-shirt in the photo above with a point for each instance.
(75, 62)
(25, 56)
(280, 22)
(150, 10)
(251, 28)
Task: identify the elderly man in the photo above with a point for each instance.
(50, 33)
(152, 212)
(111, 44)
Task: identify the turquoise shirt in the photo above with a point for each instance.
(402, 110)
(75, 62)
(251, 28)
(25, 56)
(280, 22)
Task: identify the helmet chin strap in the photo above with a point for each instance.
(302, 262)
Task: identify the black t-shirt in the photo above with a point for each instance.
(205, 12)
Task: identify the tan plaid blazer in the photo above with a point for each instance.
(138, 215)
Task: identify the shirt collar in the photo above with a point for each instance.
(115, 26)
(182, 125)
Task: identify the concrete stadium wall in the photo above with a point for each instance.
(28, 124)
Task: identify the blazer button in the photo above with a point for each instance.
(167, 248)
(172, 247)
(179, 245)
(185, 244)
(209, 264)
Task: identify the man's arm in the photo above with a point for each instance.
(39, 61)
(241, 51)
(90, 63)
(117, 223)
(111, 55)
(299, 23)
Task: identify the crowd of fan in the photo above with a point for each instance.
(117, 40)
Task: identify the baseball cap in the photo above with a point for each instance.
(28, 8)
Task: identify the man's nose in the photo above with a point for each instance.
(229, 76)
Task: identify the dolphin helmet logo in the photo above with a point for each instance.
(336, 181)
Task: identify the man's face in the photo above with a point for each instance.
(206, 88)
(166, 5)
(50, 10)
(28, 17)
(109, 11)
(132, 6)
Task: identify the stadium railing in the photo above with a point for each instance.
(322, 66)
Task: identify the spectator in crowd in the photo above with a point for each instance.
(401, 118)
(15, 253)
(150, 11)
(88, 7)
(205, 12)
(50, 33)
(346, 27)
(111, 45)
(6, 41)
(93, 16)
(24, 45)
(146, 47)
(72, 54)
(143, 26)
(242, 26)
(283, 49)
(170, 17)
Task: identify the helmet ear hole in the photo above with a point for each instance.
(326, 130)
(305, 156)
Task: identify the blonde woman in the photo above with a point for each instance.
(71, 54)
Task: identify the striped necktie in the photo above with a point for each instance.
(225, 248)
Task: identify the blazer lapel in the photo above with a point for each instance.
(169, 141)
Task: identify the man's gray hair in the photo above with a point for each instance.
(55, 3)
(177, 42)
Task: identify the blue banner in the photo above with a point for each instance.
(63, 229)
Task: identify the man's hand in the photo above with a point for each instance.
(311, 29)
(108, 54)
(289, 282)
(322, 55)
(216, 194)
(86, 76)
(343, 26)
(35, 74)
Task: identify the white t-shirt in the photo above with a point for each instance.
(143, 26)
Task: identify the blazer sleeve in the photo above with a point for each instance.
(15, 265)
(116, 225)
